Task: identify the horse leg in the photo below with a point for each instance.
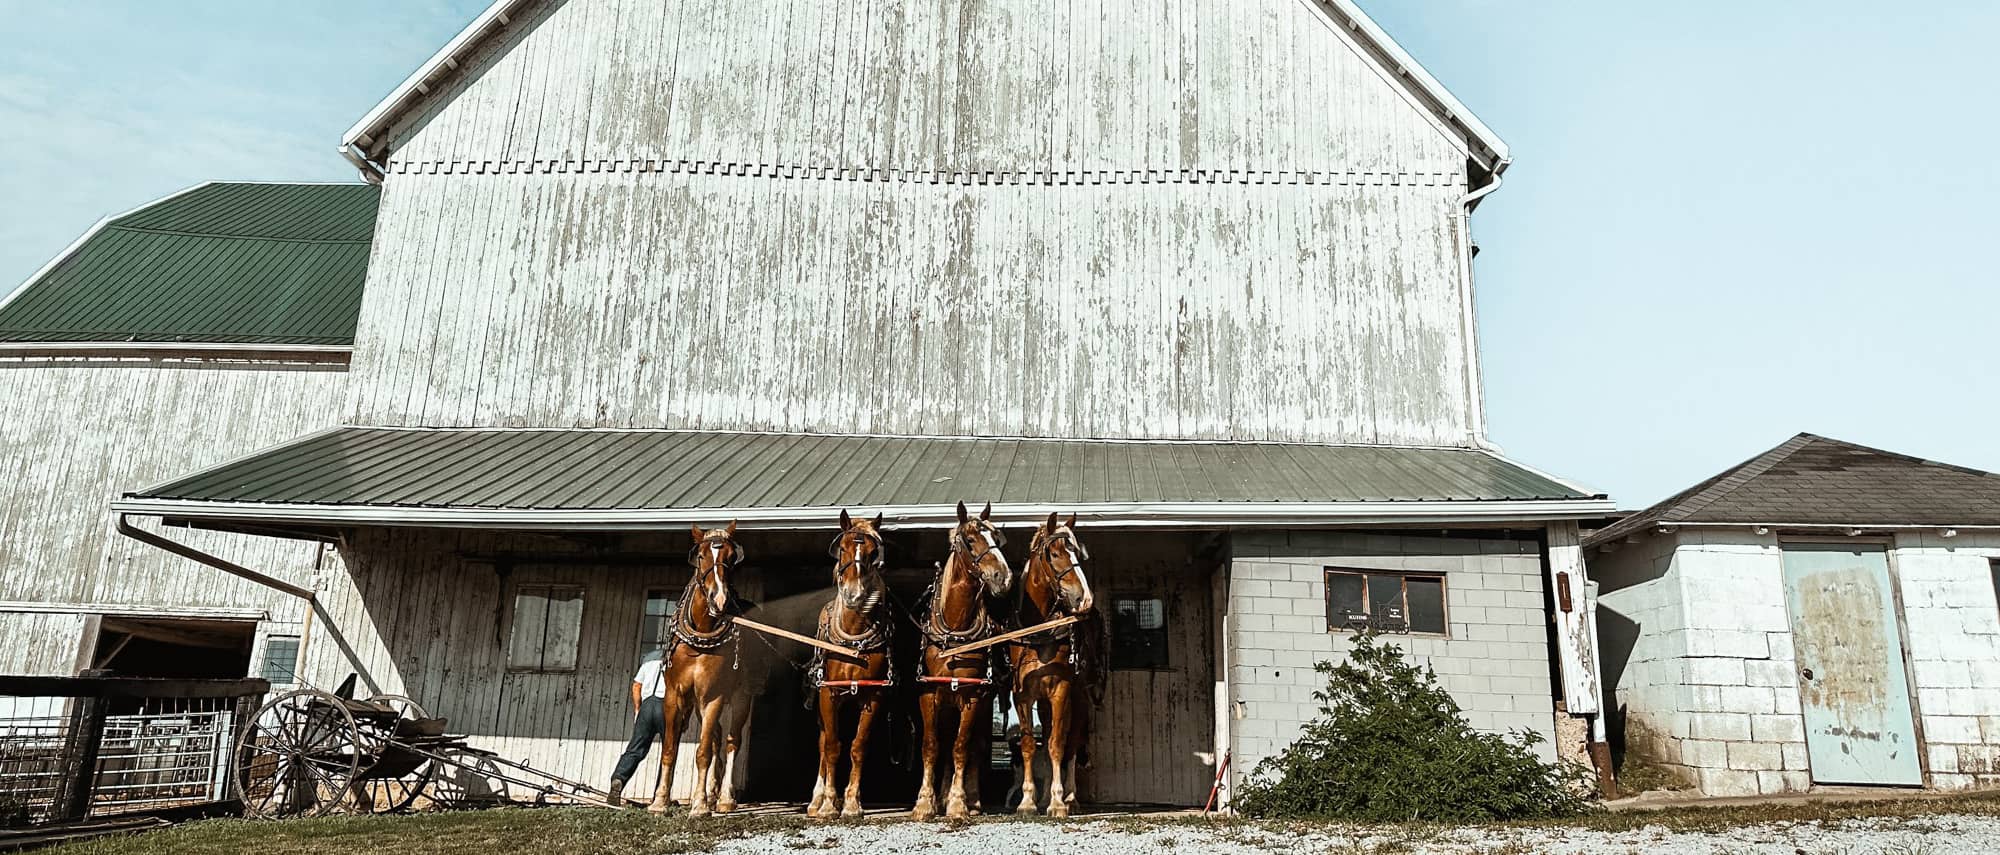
(675, 717)
(704, 754)
(1058, 720)
(927, 713)
(981, 754)
(822, 806)
(1024, 712)
(961, 756)
(856, 754)
(736, 718)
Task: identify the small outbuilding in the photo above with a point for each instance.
(1822, 614)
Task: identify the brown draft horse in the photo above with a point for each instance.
(858, 618)
(958, 615)
(1046, 666)
(703, 672)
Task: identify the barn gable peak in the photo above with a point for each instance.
(369, 142)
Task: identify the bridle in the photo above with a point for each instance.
(685, 632)
(982, 622)
(877, 633)
(1044, 548)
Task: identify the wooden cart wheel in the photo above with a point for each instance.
(392, 795)
(469, 780)
(298, 757)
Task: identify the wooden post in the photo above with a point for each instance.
(86, 736)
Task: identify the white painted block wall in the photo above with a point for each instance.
(1711, 683)
(1952, 622)
(1495, 661)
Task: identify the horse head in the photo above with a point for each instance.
(1055, 568)
(979, 541)
(715, 556)
(857, 570)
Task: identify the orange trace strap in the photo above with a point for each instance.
(854, 684)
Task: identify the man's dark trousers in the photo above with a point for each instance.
(652, 721)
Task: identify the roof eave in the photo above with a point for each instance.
(1102, 515)
(1492, 152)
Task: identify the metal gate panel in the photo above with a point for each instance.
(1852, 685)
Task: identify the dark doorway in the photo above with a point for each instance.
(174, 647)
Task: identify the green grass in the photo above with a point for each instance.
(520, 831)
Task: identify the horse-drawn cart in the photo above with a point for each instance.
(310, 752)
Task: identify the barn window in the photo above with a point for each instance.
(547, 622)
(1138, 633)
(657, 625)
(281, 660)
(1385, 601)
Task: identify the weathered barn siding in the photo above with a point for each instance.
(940, 85)
(79, 432)
(41, 644)
(1278, 311)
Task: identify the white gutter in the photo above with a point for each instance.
(370, 172)
(1101, 515)
(1475, 381)
(173, 349)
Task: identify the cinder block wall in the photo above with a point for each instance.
(1495, 661)
(1644, 668)
(1953, 627)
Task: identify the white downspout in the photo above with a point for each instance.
(1475, 390)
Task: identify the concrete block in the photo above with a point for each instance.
(1785, 702)
(1756, 757)
(1770, 673)
(1778, 728)
(1943, 674)
(1726, 782)
(1989, 729)
(1953, 782)
(1711, 671)
(1704, 753)
(1780, 644)
(1249, 588)
(1952, 728)
(1305, 625)
(1259, 570)
(1291, 590)
(1979, 759)
(1250, 622)
(1303, 606)
(1731, 727)
(1944, 758)
(1312, 573)
(1253, 656)
(1795, 756)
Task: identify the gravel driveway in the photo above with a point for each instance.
(1931, 835)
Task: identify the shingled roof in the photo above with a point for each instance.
(225, 262)
(1813, 480)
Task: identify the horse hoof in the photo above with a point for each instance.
(1059, 810)
(696, 811)
(725, 807)
(1027, 808)
(657, 808)
(851, 811)
(923, 812)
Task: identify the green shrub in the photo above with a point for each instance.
(1389, 745)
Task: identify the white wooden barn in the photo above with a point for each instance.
(1823, 613)
(1201, 276)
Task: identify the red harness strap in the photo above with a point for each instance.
(956, 682)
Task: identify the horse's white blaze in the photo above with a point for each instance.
(1076, 564)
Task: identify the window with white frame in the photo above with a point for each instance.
(547, 622)
(1138, 633)
(280, 663)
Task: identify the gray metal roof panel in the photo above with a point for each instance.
(574, 469)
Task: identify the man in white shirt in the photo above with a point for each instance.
(649, 690)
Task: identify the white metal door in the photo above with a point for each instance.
(1852, 687)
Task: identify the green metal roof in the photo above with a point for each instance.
(223, 262)
(579, 470)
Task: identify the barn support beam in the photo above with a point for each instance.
(1575, 620)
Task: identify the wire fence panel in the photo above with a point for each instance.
(146, 745)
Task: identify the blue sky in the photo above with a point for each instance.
(1727, 222)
